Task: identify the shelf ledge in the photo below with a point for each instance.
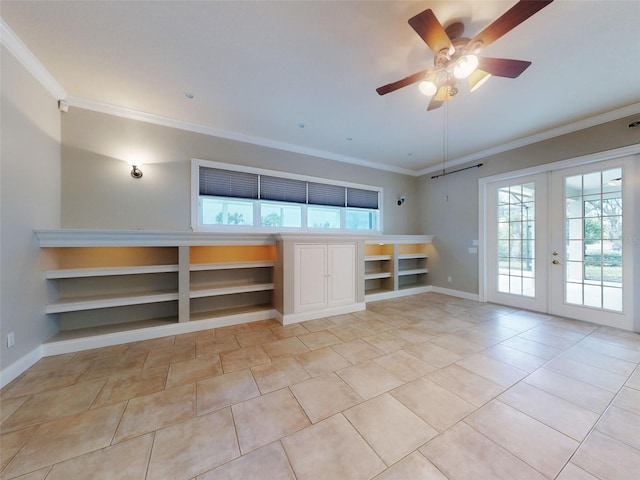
(415, 271)
(208, 291)
(145, 238)
(375, 258)
(108, 271)
(199, 267)
(108, 301)
(373, 276)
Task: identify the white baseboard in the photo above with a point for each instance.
(374, 297)
(313, 314)
(456, 293)
(17, 368)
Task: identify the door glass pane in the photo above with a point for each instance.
(593, 262)
(516, 243)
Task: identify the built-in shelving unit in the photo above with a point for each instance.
(396, 266)
(110, 287)
(91, 286)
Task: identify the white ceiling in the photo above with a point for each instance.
(260, 69)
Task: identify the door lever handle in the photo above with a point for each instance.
(556, 262)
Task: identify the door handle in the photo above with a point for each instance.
(556, 262)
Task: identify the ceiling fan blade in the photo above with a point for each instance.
(430, 30)
(392, 87)
(508, 21)
(433, 104)
(502, 67)
(441, 96)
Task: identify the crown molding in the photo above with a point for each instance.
(29, 61)
(230, 135)
(539, 137)
(216, 132)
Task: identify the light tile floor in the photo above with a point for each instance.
(426, 386)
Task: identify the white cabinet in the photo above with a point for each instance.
(324, 276)
(315, 278)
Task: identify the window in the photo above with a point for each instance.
(280, 215)
(221, 211)
(227, 196)
(323, 217)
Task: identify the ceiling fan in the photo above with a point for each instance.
(456, 56)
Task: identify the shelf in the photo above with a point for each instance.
(409, 256)
(377, 291)
(414, 271)
(108, 271)
(200, 267)
(374, 275)
(375, 258)
(81, 333)
(212, 291)
(231, 311)
(107, 301)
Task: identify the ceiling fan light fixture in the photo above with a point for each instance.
(477, 79)
(465, 66)
(427, 87)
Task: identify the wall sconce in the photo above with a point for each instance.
(136, 172)
(135, 157)
(401, 199)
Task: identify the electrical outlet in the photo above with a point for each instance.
(449, 279)
(11, 340)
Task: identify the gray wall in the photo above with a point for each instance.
(30, 199)
(449, 205)
(99, 193)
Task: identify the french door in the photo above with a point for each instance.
(516, 214)
(555, 242)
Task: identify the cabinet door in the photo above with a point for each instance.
(342, 274)
(310, 277)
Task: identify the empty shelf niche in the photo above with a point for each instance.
(379, 268)
(101, 286)
(412, 265)
(230, 280)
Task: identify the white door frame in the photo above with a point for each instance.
(514, 175)
(557, 280)
(540, 300)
